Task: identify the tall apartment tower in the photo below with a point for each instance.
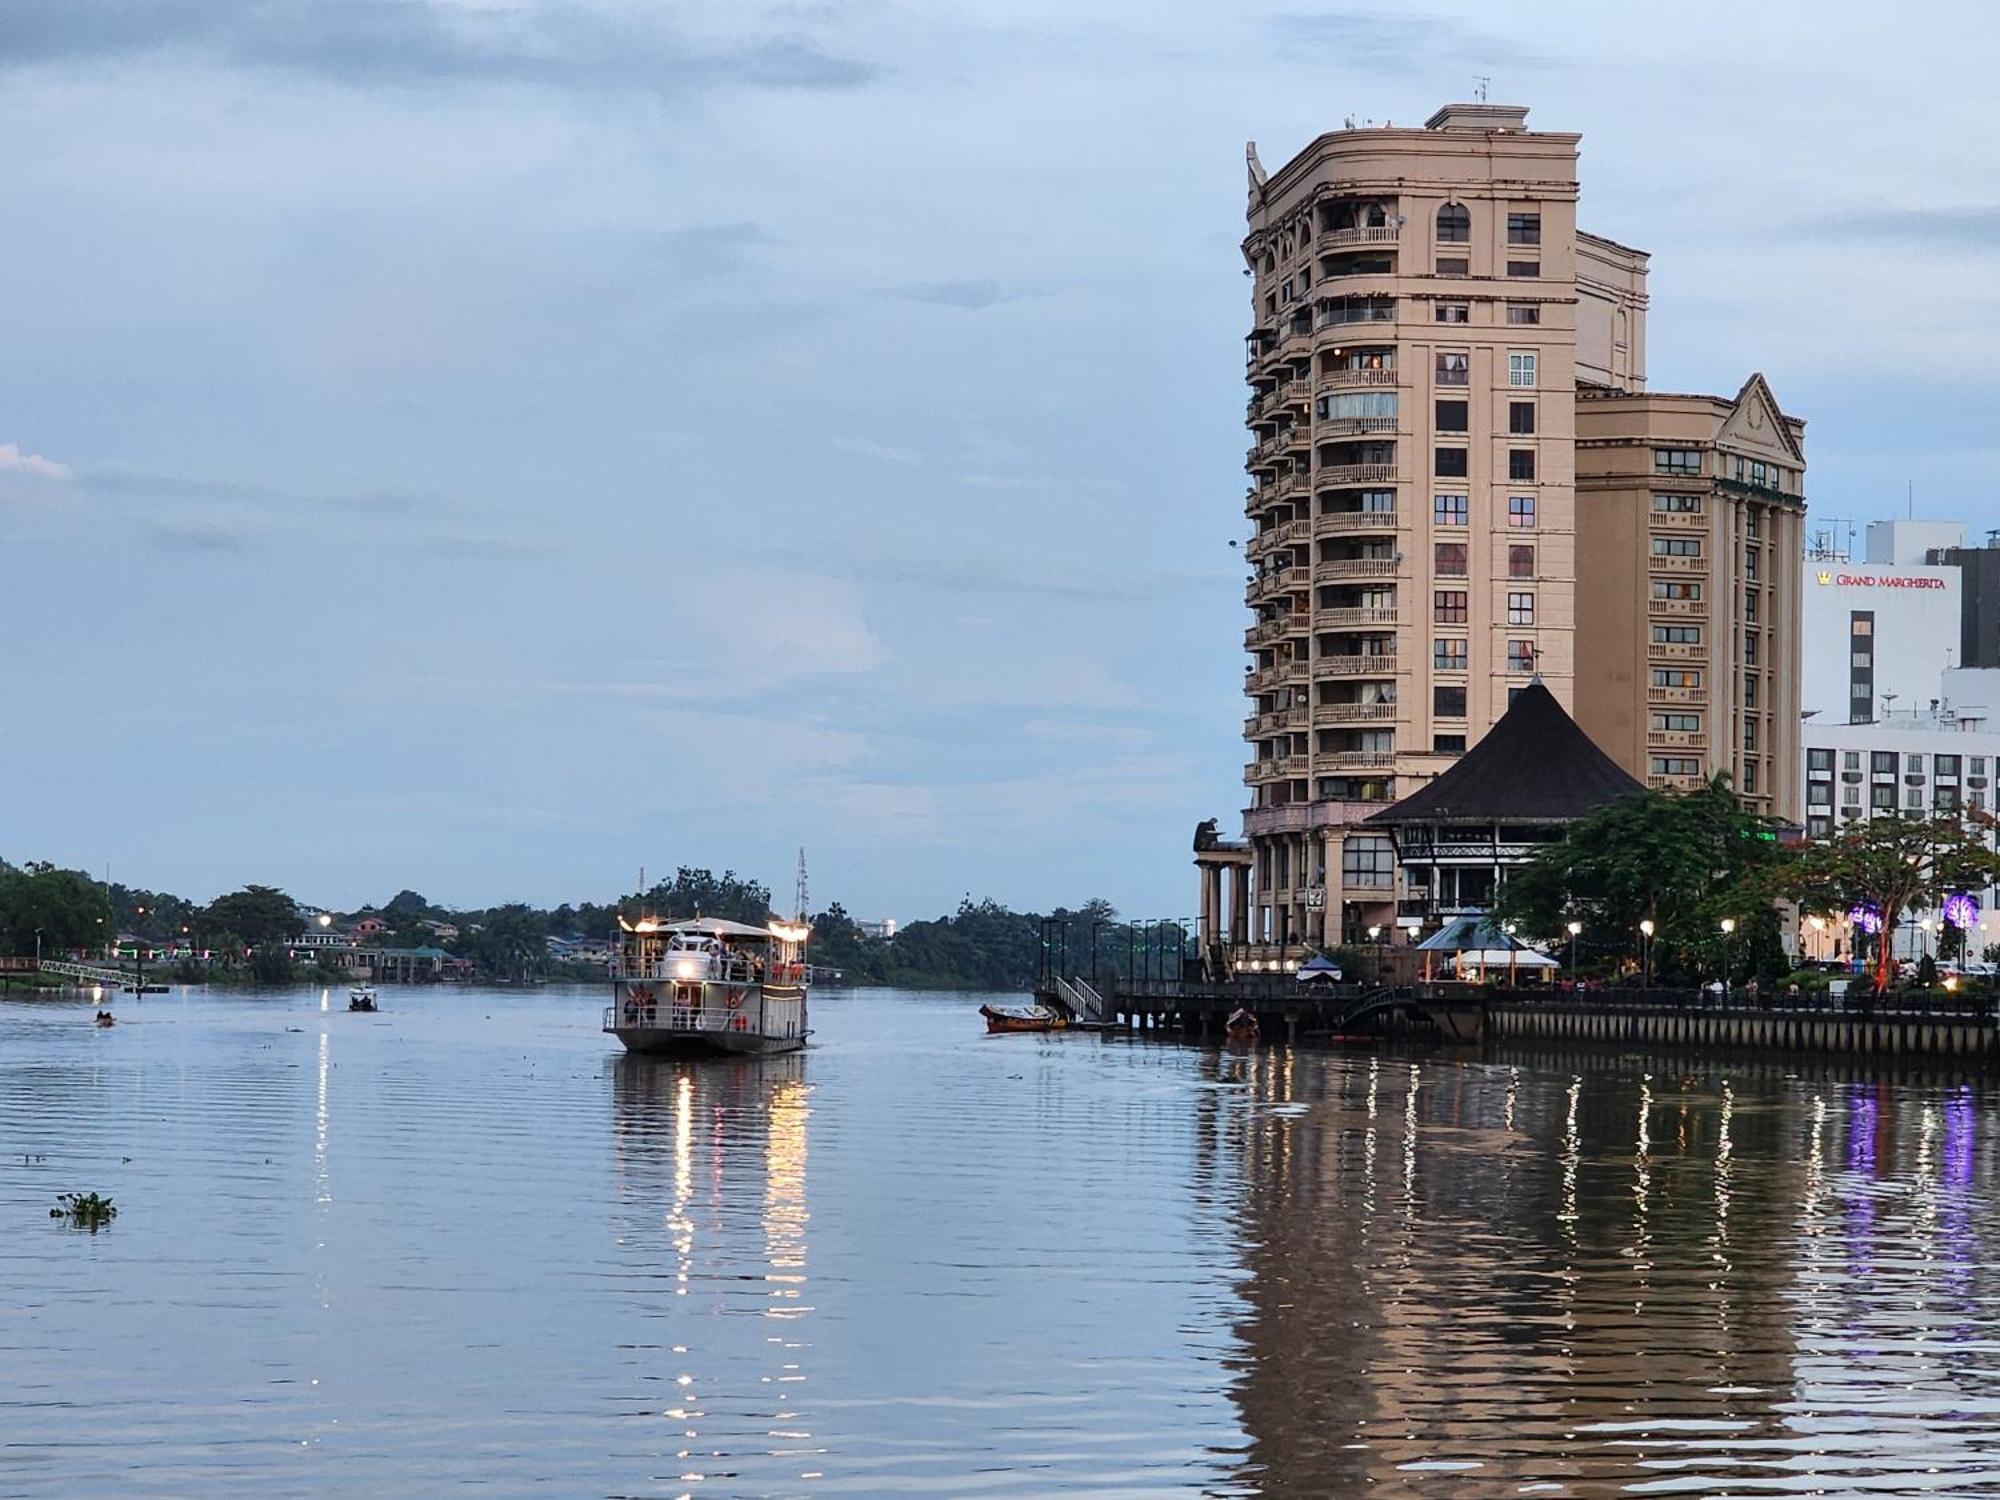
(1424, 308)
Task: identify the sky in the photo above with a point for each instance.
(493, 448)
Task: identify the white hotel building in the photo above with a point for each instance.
(1881, 643)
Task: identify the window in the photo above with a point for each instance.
(1451, 416)
(1882, 762)
(1520, 370)
(1450, 510)
(1749, 692)
(1448, 655)
(1850, 796)
(1820, 760)
(1689, 505)
(1947, 799)
(1448, 559)
(1676, 677)
(1677, 723)
(1455, 369)
(1367, 860)
(1750, 562)
(1676, 765)
(1453, 266)
(1521, 418)
(1520, 561)
(1914, 763)
(1519, 313)
(1524, 268)
(1521, 656)
(1677, 546)
(1449, 463)
(1677, 635)
(1676, 460)
(1286, 293)
(1666, 588)
(1520, 609)
(1350, 406)
(1448, 606)
(1850, 760)
(1750, 778)
(1454, 225)
(1521, 463)
(1524, 229)
(1447, 744)
(1520, 510)
(1882, 798)
(1750, 605)
(1452, 312)
(1978, 765)
(1749, 734)
(1448, 702)
(1914, 797)
(1750, 650)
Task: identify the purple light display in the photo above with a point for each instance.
(1866, 918)
(1961, 910)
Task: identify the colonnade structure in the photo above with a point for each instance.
(1225, 923)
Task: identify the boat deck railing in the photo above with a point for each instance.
(672, 1018)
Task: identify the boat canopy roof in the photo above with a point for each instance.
(700, 927)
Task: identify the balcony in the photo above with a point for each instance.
(1333, 427)
(1678, 520)
(1342, 522)
(1675, 651)
(1676, 695)
(1294, 342)
(1347, 380)
(1268, 632)
(1346, 314)
(1340, 569)
(1276, 722)
(1328, 714)
(1367, 664)
(1290, 394)
(1674, 739)
(1284, 534)
(1661, 564)
(1677, 608)
(1673, 783)
(1270, 679)
(1358, 760)
(1335, 476)
(1348, 239)
(1259, 496)
(1277, 768)
(1295, 439)
(1273, 582)
(1334, 619)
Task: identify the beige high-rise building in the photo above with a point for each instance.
(1430, 330)
(1690, 535)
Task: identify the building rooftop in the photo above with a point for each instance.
(1533, 766)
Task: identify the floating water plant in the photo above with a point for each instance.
(90, 1211)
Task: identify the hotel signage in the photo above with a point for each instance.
(1869, 581)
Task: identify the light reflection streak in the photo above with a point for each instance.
(1572, 1156)
(1368, 1143)
(680, 1223)
(322, 1173)
(1410, 1143)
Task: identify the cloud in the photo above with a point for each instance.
(196, 536)
(1408, 43)
(869, 448)
(418, 42)
(713, 249)
(469, 544)
(14, 461)
(971, 295)
(1976, 227)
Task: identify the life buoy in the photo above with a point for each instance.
(735, 998)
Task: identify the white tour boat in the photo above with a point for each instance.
(706, 985)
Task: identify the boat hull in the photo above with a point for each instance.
(1002, 1021)
(658, 1041)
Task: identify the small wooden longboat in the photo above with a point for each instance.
(1241, 1028)
(361, 997)
(1022, 1018)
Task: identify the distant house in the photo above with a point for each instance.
(444, 932)
(369, 927)
(879, 932)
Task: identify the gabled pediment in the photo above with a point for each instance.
(1756, 424)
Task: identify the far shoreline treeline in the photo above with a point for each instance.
(259, 934)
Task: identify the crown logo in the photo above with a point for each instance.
(1824, 576)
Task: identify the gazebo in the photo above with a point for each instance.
(1476, 949)
(1532, 773)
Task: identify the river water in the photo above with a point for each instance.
(465, 1245)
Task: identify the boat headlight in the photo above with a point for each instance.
(686, 968)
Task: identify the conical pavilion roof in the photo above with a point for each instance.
(1533, 766)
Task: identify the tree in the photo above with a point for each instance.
(257, 914)
(510, 941)
(702, 893)
(1684, 861)
(406, 909)
(67, 907)
(1887, 864)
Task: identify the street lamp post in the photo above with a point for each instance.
(1646, 953)
(1728, 985)
(1574, 929)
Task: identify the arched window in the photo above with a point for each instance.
(1378, 216)
(1454, 225)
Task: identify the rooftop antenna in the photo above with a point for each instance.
(1481, 80)
(799, 904)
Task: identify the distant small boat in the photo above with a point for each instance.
(105, 1018)
(1022, 1018)
(1241, 1027)
(361, 997)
